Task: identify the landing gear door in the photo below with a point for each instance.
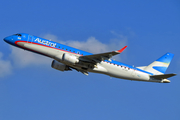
(30, 39)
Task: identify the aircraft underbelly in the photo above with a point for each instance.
(119, 72)
(40, 49)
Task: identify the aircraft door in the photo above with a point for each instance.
(30, 39)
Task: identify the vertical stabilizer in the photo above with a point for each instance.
(160, 65)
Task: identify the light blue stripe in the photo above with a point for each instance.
(160, 69)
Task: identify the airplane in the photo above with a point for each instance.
(66, 58)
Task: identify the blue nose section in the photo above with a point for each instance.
(8, 39)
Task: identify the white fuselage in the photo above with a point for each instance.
(102, 67)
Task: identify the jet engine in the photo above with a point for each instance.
(70, 58)
(59, 66)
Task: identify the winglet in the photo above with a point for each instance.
(121, 50)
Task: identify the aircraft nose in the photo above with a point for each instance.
(8, 39)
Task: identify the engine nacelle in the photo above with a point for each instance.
(70, 58)
(59, 66)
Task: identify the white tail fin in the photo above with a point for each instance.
(160, 65)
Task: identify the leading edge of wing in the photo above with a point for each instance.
(103, 56)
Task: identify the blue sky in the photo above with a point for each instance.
(31, 89)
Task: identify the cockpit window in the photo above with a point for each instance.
(18, 35)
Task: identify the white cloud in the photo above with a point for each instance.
(50, 37)
(23, 58)
(93, 45)
(5, 66)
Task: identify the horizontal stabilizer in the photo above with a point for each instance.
(164, 76)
